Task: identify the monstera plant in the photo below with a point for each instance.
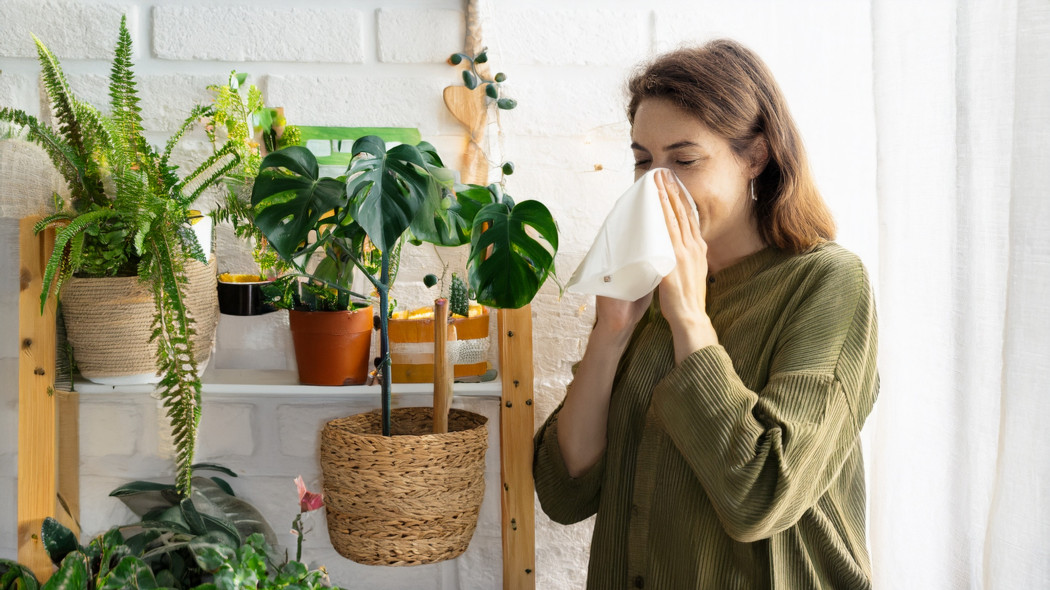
(388, 195)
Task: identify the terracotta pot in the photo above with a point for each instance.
(332, 347)
(412, 347)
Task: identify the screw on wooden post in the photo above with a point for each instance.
(443, 371)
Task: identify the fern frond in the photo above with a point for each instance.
(62, 238)
(190, 245)
(62, 100)
(69, 162)
(53, 219)
(198, 112)
(180, 387)
(207, 174)
(122, 92)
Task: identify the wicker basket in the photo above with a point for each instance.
(407, 499)
(108, 324)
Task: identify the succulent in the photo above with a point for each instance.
(458, 300)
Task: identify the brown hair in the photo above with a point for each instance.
(732, 91)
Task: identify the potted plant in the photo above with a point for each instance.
(412, 336)
(387, 194)
(127, 231)
(253, 130)
(301, 214)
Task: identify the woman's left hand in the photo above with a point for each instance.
(683, 293)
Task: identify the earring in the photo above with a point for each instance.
(753, 197)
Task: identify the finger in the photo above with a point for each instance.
(675, 196)
(690, 207)
(673, 228)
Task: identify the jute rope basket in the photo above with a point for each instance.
(108, 321)
(407, 499)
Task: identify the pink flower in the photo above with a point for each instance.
(307, 500)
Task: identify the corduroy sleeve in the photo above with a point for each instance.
(565, 499)
(766, 457)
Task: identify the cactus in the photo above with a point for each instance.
(457, 297)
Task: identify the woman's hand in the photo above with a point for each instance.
(683, 293)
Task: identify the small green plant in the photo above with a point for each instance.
(238, 109)
(472, 78)
(129, 215)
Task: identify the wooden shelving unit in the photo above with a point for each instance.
(48, 454)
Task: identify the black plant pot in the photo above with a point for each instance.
(243, 298)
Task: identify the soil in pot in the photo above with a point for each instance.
(332, 347)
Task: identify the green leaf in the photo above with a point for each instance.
(506, 103)
(214, 467)
(508, 168)
(14, 576)
(58, 540)
(482, 57)
(223, 484)
(192, 517)
(500, 77)
(211, 551)
(138, 487)
(518, 263)
(430, 280)
(291, 202)
(492, 91)
(386, 189)
(74, 573)
(131, 572)
(469, 79)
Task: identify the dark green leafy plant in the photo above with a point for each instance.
(129, 215)
(210, 540)
(387, 195)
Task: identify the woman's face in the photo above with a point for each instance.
(665, 136)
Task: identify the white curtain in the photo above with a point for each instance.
(960, 453)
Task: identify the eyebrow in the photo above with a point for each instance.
(674, 146)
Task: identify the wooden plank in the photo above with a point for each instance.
(442, 367)
(516, 430)
(37, 431)
(68, 486)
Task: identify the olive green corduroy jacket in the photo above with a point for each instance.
(740, 467)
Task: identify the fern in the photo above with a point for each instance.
(66, 160)
(62, 238)
(198, 112)
(210, 172)
(64, 106)
(123, 95)
(180, 387)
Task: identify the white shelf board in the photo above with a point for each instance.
(281, 383)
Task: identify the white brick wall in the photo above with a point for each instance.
(252, 33)
(383, 65)
(71, 29)
(418, 36)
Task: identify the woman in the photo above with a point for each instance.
(713, 425)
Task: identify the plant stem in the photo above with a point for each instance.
(384, 339)
(297, 526)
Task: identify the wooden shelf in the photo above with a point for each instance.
(48, 452)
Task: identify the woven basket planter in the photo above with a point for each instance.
(408, 499)
(108, 324)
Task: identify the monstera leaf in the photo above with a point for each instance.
(447, 218)
(386, 189)
(290, 198)
(513, 271)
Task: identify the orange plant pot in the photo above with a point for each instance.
(412, 347)
(332, 347)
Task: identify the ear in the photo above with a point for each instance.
(758, 155)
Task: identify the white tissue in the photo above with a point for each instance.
(632, 252)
